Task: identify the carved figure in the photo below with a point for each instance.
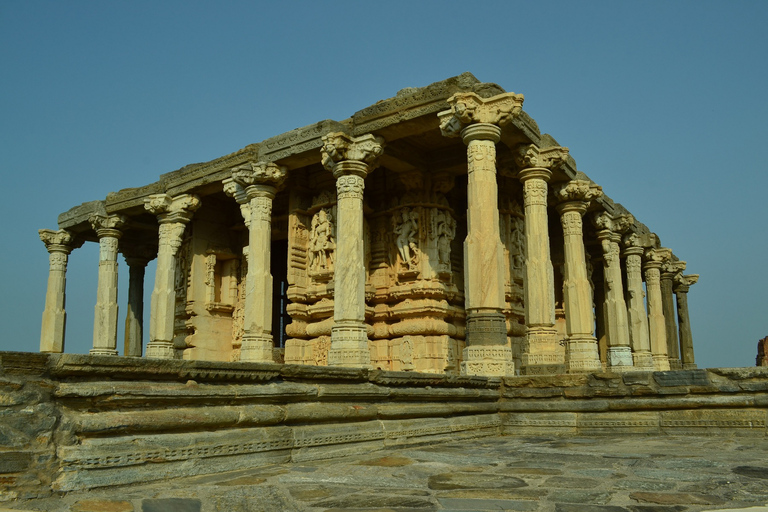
(407, 228)
(445, 232)
(517, 245)
(321, 242)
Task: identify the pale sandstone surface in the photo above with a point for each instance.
(417, 234)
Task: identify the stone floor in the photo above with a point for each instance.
(634, 473)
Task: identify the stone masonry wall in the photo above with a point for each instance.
(74, 421)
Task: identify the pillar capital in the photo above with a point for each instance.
(107, 225)
(684, 283)
(467, 108)
(633, 245)
(610, 226)
(254, 179)
(59, 241)
(655, 257)
(343, 154)
(672, 267)
(531, 157)
(172, 209)
(575, 195)
(139, 256)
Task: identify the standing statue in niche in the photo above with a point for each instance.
(517, 247)
(445, 232)
(321, 242)
(407, 229)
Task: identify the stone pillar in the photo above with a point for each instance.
(656, 327)
(668, 271)
(682, 285)
(107, 228)
(581, 353)
(637, 316)
(173, 215)
(609, 234)
(478, 121)
(540, 354)
(350, 159)
(137, 260)
(254, 186)
(59, 244)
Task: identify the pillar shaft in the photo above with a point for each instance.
(59, 244)
(173, 214)
(105, 313)
(350, 160)
(254, 185)
(670, 323)
(581, 353)
(656, 327)
(682, 285)
(134, 320)
(636, 314)
(257, 339)
(616, 323)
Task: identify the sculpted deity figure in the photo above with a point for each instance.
(321, 243)
(406, 227)
(445, 232)
(517, 245)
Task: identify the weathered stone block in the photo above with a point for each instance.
(15, 462)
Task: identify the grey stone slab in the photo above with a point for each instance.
(368, 501)
(752, 471)
(682, 378)
(571, 482)
(579, 496)
(170, 505)
(486, 504)
(565, 507)
(657, 508)
(446, 481)
(14, 462)
(643, 485)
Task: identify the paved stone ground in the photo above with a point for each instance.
(634, 473)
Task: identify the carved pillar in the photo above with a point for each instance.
(59, 244)
(581, 352)
(682, 285)
(173, 215)
(137, 260)
(105, 313)
(478, 122)
(668, 271)
(254, 186)
(350, 160)
(637, 316)
(537, 165)
(619, 350)
(656, 326)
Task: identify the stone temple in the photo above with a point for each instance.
(437, 231)
(431, 269)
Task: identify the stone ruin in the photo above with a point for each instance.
(438, 231)
(432, 268)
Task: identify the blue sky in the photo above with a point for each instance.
(661, 102)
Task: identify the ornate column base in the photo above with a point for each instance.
(620, 359)
(660, 363)
(582, 355)
(675, 364)
(102, 352)
(488, 361)
(643, 361)
(349, 346)
(257, 349)
(541, 356)
(486, 328)
(160, 350)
